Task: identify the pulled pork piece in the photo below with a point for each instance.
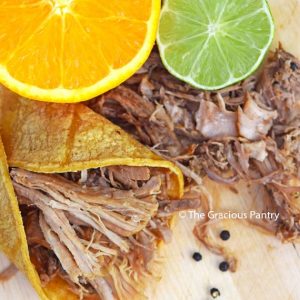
(116, 210)
(290, 149)
(45, 262)
(254, 122)
(128, 176)
(61, 251)
(248, 131)
(8, 273)
(167, 208)
(279, 84)
(215, 122)
(99, 234)
(132, 102)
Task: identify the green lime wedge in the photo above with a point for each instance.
(211, 44)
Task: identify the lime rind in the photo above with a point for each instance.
(231, 71)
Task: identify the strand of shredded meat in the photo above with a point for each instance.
(97, 229)
(8, 273)
(250, 131)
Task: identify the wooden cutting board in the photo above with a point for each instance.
(267, 269)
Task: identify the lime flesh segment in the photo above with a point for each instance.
(212, 44)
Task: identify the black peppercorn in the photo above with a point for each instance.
(197, 256)
(224, 266)
(293, 66)
(225, 235)
(215, 293)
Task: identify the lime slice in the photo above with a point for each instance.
(211, 44)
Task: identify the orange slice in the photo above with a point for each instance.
(73, 50)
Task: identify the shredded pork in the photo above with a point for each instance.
(97, 229)
(8, 273)
(250, 131)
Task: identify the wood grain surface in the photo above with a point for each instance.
(267, 270)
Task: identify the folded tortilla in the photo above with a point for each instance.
(41, 139)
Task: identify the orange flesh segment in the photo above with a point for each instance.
(106, 9)
(25, 64)
(15, 31)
